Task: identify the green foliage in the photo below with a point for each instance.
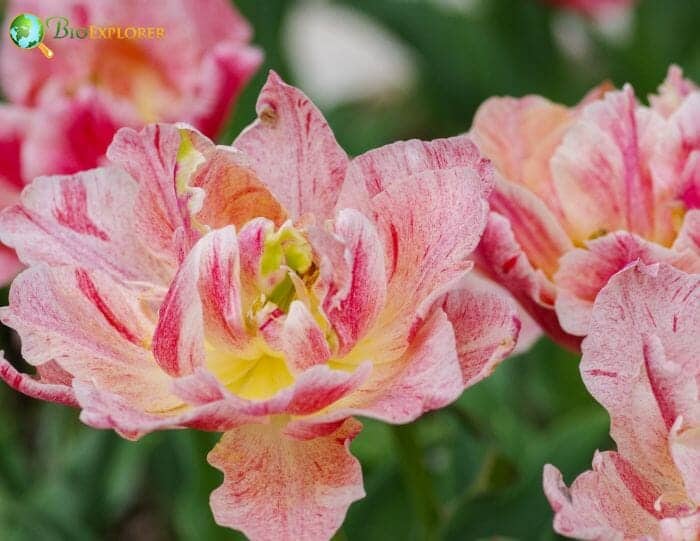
(471, 471)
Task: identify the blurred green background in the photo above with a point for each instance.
(470, 471)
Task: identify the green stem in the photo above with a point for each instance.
(417, 480)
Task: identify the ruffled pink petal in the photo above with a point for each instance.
(94, 329)
(426, 248)
(601, 170)
(375, 170)
(69, 135)
(293, 151)
(640, 362)
(520, 136)
(610, 502)
(36, 387)
(585, 271)
(353, 307)
(280, 489)
(150, 157)
(300, 338)
(84, 220)
(500, 255)
(535, 227)
(486, 327)
(203, 301)
(224, 72)
(427, 376)
(672, 92)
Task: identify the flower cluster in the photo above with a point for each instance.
(64, 113)
(271, 290)
(583, 192)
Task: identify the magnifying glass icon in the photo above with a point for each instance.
(27, 32)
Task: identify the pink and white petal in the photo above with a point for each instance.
(293, 151)
(503, 260)
(106, 410)
(150, 156)
(69, 135)
(35, 387)
(684, 442)
(689, 235)
(672, 92)
(375, 170)
(426, 377)
(585, 271)
(534, 226)
(610, 502)
(280, 489)
(301, 339)
(353, 306)
(93, 328)
(426, 248)
(601, 171)
(9, 265)
(684, 528)
(486, 326)
(642, 338)
(224, 72)
(203, 304)
(233, 194)
(84, 220)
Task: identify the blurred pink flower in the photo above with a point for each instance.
(582, 192)
(270, 291)
(64, 112)
(594, 8)
(640, 361)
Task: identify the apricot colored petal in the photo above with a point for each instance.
(610, 502)
(278, 488)
(520, 135)
(585, 271)
(293, 151)
(233, 195)
(84, 220)
(601, 170)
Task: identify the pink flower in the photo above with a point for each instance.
(270, 291)
(64, 112)
(584, 191)
(594, 8)
(640, 361)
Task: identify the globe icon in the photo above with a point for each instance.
(27, 32)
